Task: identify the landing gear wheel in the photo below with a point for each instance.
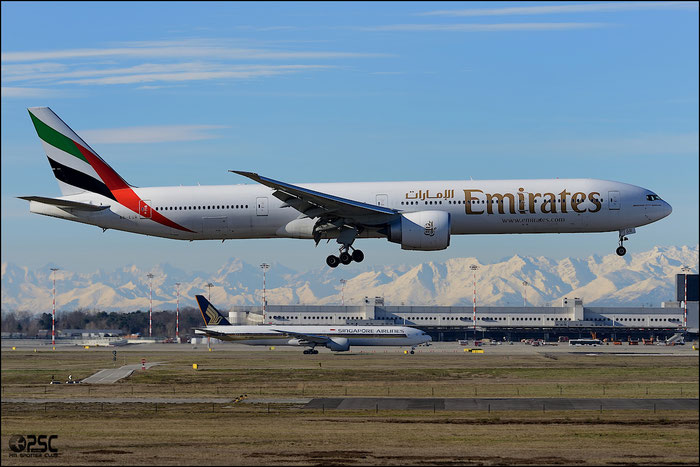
(306, 352)
(345, 258)
(621, 250)
(412, 352)
(314, 351)
(333, 261)
(358, 256)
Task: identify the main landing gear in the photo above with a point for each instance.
(345, 239)
(345, 256)
(310, 352)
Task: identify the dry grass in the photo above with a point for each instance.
(246, 434)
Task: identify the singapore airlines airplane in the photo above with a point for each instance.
(420, 215)
(337, 338)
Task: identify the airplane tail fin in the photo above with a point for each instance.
(211, 316)
(75, 165)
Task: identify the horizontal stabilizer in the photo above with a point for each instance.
(63, 203)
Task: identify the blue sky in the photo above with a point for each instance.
(179, 93)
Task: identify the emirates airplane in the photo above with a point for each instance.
(419, 215)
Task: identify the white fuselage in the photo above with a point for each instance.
(356, 335)
(475, 207)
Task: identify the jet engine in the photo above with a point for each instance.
(422, 230)
(338, 344)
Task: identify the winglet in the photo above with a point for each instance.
(211, 316)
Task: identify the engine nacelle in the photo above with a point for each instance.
(338, 344)
(422, 230)
(298, 228)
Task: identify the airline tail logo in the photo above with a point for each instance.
(214, 317)
(78, 168)
(210, 314)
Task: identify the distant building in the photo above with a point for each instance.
(572, 318)
(88, 333)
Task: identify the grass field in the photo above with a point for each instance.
(283, 433)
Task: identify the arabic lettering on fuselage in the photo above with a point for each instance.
(421, 195)
(479, 202)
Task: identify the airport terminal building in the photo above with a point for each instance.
(571, 319)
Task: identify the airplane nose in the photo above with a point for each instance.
(667, 209)
(657, 212)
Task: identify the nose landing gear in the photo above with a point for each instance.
(621, 250)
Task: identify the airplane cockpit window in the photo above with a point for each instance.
(653, 198)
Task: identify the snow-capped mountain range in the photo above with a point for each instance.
(637, 279)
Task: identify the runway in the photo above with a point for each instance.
(515, 348)
(495, 404)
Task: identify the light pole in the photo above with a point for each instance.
(525, 284)
(474, 267)
(210, 285)
(53, 315)
(150, 310)
(264, 267)
(342, 291)
(685, 270)
(177, 315)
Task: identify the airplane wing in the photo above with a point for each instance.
(322, 205)
(210, 332)
(62, 203)
(321, 340)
